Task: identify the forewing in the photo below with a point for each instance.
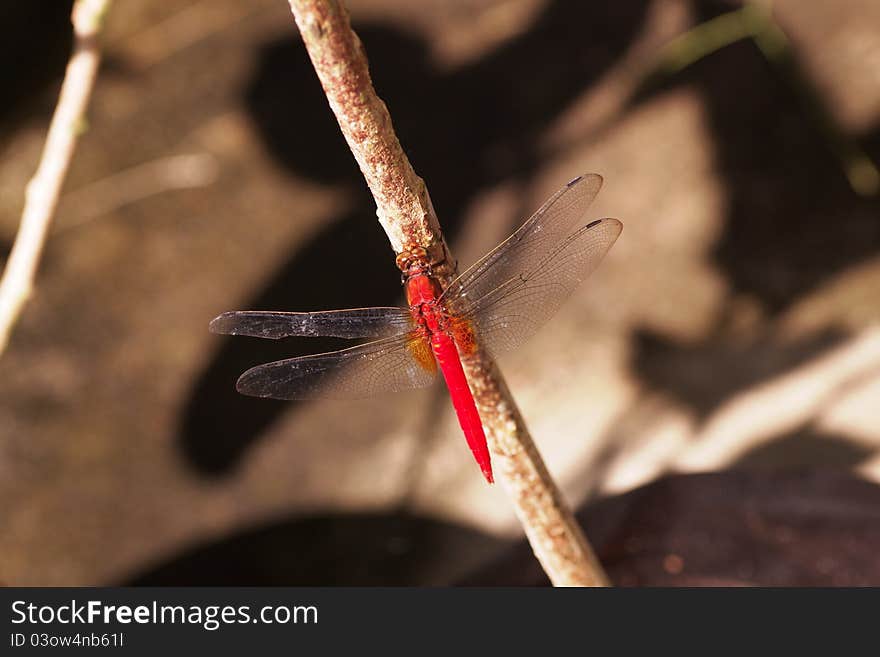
(351, 323)
(390, 365)
(542, 233)
(513, 311)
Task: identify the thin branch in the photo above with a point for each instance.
(171, 172)
(41, 197)
(755, 21)
(405, 212)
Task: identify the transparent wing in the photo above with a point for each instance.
(541, 234)
(515, 309)
(352, 323)
(390, 365)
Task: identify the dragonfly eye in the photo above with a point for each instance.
(407, 259)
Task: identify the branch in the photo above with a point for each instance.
(405, 212)
(171, 172)
(41, 197)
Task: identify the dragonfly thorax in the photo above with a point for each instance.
(423, 293)
(422, 288)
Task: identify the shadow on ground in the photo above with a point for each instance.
(792, 221)
(46, 57)
(346, 549)
(761, 527)
(706, 374)
(805, 447)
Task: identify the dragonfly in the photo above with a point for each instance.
(495, 305)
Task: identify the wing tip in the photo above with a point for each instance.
(617, 223)
(608, 221)
(598, 179)
(236, 322)
(220, 324)
(244, 384)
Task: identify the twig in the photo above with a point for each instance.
(141, 181)
(755, 21)
(41, 197)
(184, 28)
(405, 212)
(710, 36)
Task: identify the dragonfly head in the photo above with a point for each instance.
(421, 259)
(413, 261)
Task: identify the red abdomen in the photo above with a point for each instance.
(462, 399)
(422, 292)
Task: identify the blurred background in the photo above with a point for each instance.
(710, 399)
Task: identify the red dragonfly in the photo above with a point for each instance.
(498, 303)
